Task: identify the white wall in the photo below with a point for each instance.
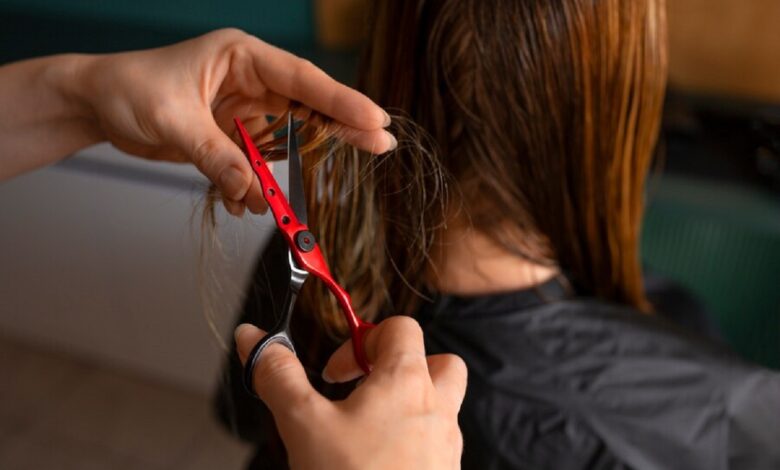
(99, 257)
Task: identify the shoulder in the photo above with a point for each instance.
(633, 383)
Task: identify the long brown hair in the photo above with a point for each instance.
(540, 116)
(544, 115)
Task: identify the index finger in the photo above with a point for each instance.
(393, 338)
(300, 80)
(397, 336)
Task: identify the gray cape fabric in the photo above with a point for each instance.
(582, 384)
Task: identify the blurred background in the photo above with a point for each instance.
(106, 356)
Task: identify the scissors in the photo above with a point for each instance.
(304, 253)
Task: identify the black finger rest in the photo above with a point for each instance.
(254, 357)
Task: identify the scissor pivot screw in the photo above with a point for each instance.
(305, 241)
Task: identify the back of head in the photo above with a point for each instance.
(544, 115)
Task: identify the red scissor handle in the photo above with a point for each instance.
(310, 259)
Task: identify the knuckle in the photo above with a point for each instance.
(402, 324)
(411, 369)
(161, 116)
(301, 405)
(238, 46)
(271, 367)
(231, 34)
(230, 41)
(304, 67)
(302, 73)
(205, 153)
(455, 366)
(409, 364)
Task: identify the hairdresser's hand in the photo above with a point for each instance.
(177, 104)
(404, 415)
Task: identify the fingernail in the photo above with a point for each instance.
(234, 208)
(240, 329)
(393, 141)
(232, 183)
(327, 378)
(388, 120)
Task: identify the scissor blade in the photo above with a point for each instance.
(297, 196)
(297, 278)
(298, 275)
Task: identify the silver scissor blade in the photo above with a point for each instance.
(297, 279)
(298, 275)
(297, 196)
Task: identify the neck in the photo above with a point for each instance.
(469, 263)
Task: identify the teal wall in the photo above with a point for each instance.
(33, 28)
(723, 243)
(287, 21)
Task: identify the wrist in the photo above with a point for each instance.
(70, 77)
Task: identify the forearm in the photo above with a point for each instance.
(44, 115)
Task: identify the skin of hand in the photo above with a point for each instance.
(402, 415)
(173, 104)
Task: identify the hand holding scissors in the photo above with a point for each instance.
(304, 253)
(403, 415)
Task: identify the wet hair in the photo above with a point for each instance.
(535, 122)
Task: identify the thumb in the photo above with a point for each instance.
(219, 159)
(279, 378)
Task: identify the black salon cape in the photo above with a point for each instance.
(562, 383)
(580, 384)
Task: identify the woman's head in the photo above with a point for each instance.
(542, 114)
(545, 113)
